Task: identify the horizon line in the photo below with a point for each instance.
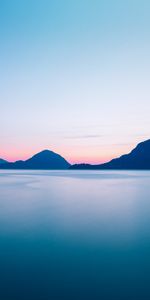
(82, 162)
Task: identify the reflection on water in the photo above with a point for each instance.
(74, 235)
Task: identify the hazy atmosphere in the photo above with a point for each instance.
(74, 149)
(74, 78)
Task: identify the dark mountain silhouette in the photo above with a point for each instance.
(46, 160)
(137, 159)
(2, 161)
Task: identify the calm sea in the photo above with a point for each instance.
(74, 235)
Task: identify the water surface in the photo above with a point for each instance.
(74, 235)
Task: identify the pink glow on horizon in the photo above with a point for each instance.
(73, 154)
(73, 160)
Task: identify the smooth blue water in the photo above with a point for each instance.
(74, 235)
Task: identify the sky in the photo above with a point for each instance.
(74, 78)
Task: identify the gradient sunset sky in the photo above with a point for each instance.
(74, 77)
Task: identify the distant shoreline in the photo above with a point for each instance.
(137, 159)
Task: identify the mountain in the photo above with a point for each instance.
(2, 161)
(46, 160)
(137, 159)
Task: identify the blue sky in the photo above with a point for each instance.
(74, 77)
